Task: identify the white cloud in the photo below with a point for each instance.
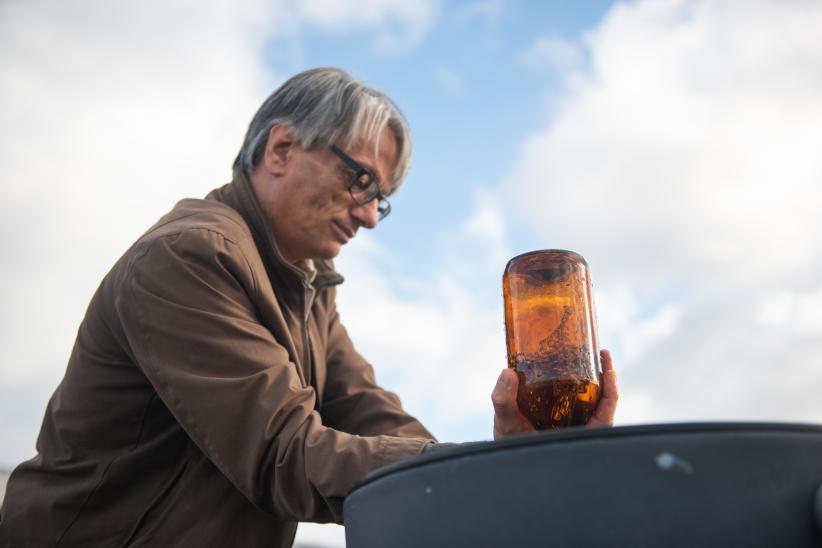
(316, 535)
(395, 26)
(798, 312)
(684, 164)
(489, 10)
(548, 52)
(112, 114)
(442, 341)
(630, 324)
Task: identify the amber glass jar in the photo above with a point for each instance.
(551, 336)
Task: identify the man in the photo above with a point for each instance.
(213, 398)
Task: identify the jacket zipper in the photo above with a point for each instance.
(309, 294)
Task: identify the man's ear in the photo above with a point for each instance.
(278, 149)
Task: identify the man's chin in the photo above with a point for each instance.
(329, 252)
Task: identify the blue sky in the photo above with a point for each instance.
(673, 143)
(469, 102)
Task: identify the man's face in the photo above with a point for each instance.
(310, 210)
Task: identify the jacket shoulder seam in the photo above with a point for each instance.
(227, 215)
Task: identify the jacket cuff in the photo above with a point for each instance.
(395, 448)
(438, 448)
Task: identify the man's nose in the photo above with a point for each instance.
(366, 214)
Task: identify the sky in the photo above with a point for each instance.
(673, 143)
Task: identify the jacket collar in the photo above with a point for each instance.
(240, 196)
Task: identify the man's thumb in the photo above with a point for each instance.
(504, 396)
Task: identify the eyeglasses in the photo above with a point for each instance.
(363, 186)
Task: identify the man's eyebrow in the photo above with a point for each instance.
(367, 165)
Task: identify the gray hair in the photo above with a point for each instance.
(324, 107)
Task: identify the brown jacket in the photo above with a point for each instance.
(212, 398)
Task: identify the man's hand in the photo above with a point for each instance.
(508, 419)
(604, 414)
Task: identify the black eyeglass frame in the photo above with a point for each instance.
(372, 192)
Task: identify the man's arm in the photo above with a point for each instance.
(190, 324)
(353, 402)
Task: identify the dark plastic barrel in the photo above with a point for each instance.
(687, 485)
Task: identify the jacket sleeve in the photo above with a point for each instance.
(190, 325)
(353, 402)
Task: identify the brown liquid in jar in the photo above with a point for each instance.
(551, 337)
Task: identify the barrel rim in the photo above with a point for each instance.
(581, 434)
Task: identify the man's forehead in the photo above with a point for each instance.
(379, 156)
